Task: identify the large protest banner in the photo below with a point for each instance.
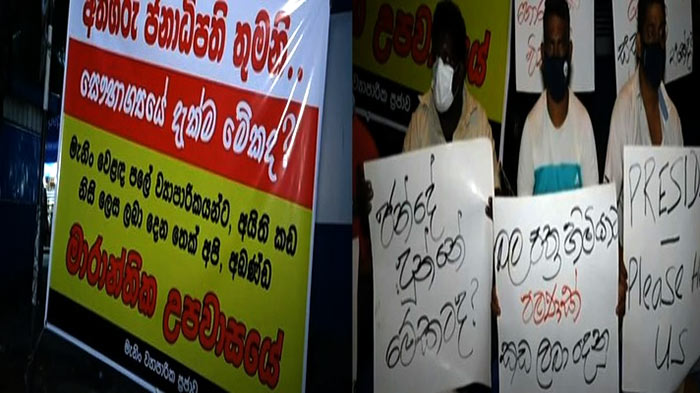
(556, 276)
(184, 222)
(431, 252)
(679, 41)
(391, 55)
(660, 341)
(529, 15)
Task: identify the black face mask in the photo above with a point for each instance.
(654, 63)
(556, 76)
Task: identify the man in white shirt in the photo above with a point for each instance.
(643, 115)
(447, 111)
(557, 149)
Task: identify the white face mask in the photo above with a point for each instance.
(442, 85)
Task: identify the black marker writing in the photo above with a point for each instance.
(678, 185)
(415, 267)
(695, 283)
(590, 353)
(653, 292)
(549, 244)
(398, 218)
(429, 333)
(516, 358)
(667, 358)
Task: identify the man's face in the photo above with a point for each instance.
(445, 51)
(654, 27)
(556, 40)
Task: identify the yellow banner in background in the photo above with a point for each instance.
(181, 241)
(391, 39)
(206, 309)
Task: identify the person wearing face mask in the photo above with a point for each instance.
(447, 111)
(557, 149)
(643, 115)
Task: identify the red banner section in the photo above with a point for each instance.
(264, 142)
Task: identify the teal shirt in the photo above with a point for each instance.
(555, 178)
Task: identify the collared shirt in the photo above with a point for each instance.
(628, 126)
(557, 159)
(425, 130)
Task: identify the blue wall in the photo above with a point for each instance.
(19, 165)
(329, 360)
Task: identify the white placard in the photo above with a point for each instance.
(556, 276)
(679, 42)
(529, 16)
(431, 250)
(661, 329)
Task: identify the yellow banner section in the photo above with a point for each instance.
(392, 39)
(266, 294)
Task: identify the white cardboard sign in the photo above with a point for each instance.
(556, 268)
(431, 250)
(661, 329)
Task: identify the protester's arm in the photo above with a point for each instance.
(495, 305)
(621, 285)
